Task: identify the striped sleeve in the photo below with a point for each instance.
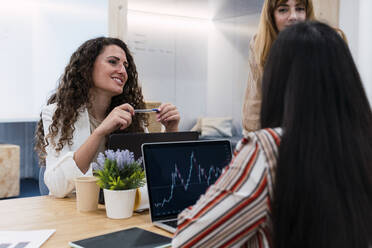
(233, 211)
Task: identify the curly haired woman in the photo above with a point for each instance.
(97, 95)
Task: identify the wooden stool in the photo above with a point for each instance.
(9, 170)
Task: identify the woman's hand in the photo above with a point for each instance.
(119, 118)
(169, 116)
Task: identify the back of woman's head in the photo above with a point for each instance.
(323, 188)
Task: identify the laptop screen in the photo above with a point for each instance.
(178, 173)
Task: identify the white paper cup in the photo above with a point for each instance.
(86, 193)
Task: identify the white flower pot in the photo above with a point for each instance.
(119, 203)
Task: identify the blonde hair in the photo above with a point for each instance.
(267, 30)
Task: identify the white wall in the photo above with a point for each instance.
(37, 38)
(228, 48)
(199, 65)
(356, 22)
(15, 62)
(171, 58)
(365, 45)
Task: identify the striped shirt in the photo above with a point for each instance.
(235, 211)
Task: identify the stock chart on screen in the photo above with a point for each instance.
(179, 173)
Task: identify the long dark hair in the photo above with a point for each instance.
(72, 94)
(323, 187)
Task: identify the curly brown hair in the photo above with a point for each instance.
(72, 95)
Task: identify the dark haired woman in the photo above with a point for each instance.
(97, 95)
(306, 179)
(276, 15)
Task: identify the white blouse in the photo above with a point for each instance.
(61, 169)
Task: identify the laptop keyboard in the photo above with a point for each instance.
(172, 223)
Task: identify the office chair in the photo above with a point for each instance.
(42, 187)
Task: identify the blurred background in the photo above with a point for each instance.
(192, 53)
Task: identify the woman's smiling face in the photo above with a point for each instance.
(110, 71)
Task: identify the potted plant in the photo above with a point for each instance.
(119, 175)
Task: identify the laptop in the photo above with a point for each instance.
(134, 141)
(178, 173)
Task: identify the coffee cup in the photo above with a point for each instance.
(86, 193)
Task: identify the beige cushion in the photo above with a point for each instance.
(214, 127)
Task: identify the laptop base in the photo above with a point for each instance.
(166, 227)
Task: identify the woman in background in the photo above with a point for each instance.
(96, 96)
(275, 16)
(306, 179)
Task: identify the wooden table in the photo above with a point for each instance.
(47, 212)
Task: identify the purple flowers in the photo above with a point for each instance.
(122, 158)
(118, 170)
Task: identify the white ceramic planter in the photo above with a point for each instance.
(119, 203)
